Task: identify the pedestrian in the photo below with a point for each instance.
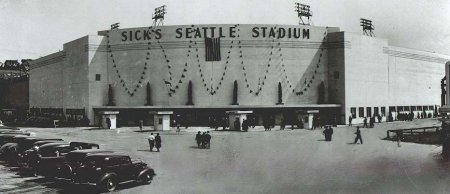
(108, 123)
(204, 141)
(198, 138)
(158, 142)
(358, 136)
(208, 140)
(151, 141)
(178, 124)
(282, 124)
(379, 118)
(245, 125)
(328, 132)
(399, 137)
(237, 124)
(141, 124)
(365, 122)
(224, 123)
(350, 118)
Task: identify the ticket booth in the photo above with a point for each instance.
(109, 119)
(161, 120)
(239, 116)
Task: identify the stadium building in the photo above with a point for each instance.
(295, 72)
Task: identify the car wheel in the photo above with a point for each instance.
(109, 184)
(145, 179)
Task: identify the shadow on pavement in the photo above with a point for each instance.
(144, 150)
(66, 187)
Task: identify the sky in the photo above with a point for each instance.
(35, 28)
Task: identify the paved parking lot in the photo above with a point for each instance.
(290, 161)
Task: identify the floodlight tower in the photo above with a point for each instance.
(158, 16)
(304, 13)
(115, 26)
(367, 27)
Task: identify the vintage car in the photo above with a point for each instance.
(12, 152)
(15, 132)
(107, 170)
(24, 157)
(8, 138)
(44, 161)
(65, 166)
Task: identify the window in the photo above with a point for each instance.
(353, 112)
(392, 109)
(413, 108)
(419, 108)
(336, 75)
(431, 107)
(160, 121)
(369, 111)
(383, 111)
(361, 112)
(406, 108)
(375, 111)
(97, 77)
(399, 108)
(425, 107)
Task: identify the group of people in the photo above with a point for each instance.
(203, 140)
(328, 133)
(154, 141)
(371, 123)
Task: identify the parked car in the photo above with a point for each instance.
(24, 157)
(11, 152)
(107, 170)
(66, 166)
(15, 132)
(8, 138)
(47, 156)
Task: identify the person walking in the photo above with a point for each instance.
(330, 129)
(282, 124)
(350, 118)
(141, 124)
(365, 122)
(399, 137)
(198, 138)
(151, 141)
(208, 140)
(204, 141)
(358, 136)
(158, 142)
(245, 125)
(237, 124)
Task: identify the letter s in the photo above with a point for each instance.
(124, 36)
(255, 32)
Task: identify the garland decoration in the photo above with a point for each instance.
(260, 84)
(307, 84)
(211, 90)
(130, 90)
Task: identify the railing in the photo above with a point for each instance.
(414, 131)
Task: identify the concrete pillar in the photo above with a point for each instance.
(161, 120)
(239, 115)
(111, 116)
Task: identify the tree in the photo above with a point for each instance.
(149, 95)
(235, 93)
(190, 102)
(280, 94)
(111, 101)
